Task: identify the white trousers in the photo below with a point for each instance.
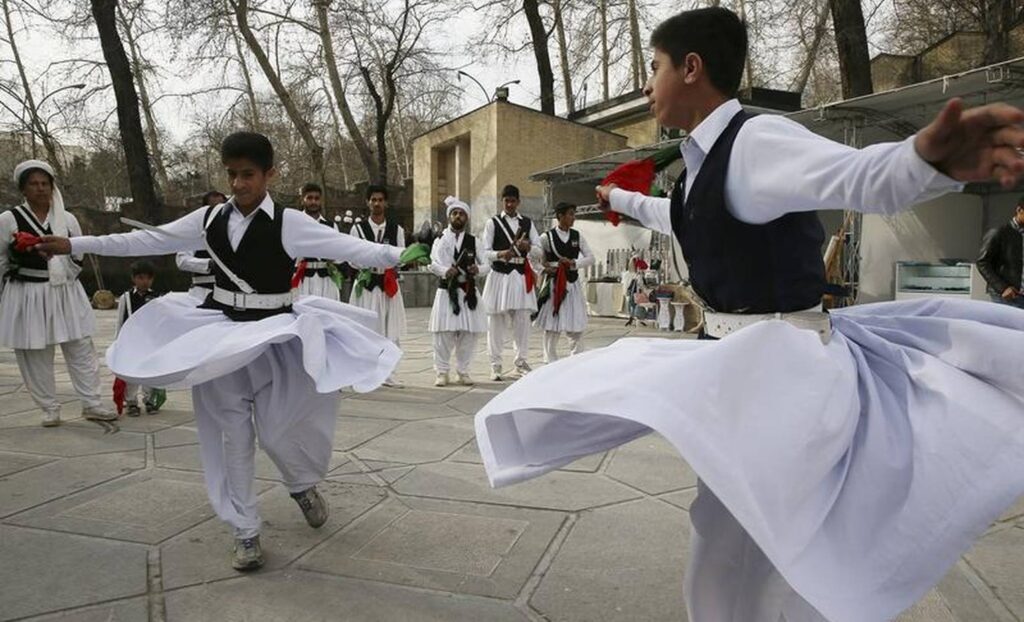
(37, 371)
(497, 326)
(132, 391)
(729, 578)
(275, 401)
(551, 344)
(463, 343)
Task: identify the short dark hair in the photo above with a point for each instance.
(563, 207)
(23, 178)
(143, 267)
(248, 145)
(510, 191)
(715, 34)
(208, 197)
(310, 186)
(373, 189)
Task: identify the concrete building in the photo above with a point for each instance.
(475, 155)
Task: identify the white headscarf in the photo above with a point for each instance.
(58, 266)
(453, 203)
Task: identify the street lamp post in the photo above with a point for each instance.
(487, 98)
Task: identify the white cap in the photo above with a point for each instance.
(453, 204)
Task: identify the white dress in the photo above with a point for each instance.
(507, 292)
(171, 343)
(35, 315)
(863, 468)
(390, 312)
(572, 314)
(442, 319)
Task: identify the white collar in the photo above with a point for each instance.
(267, 205)
(505, 215)
(707, 131)
(375, 225)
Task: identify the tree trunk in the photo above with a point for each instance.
(539, 36)
(748, 70)
(337, 137)
(250, 93)
(140, 177)
(330, 60)
(136, 59)
(35, 124)
(639, 69)
(316, 152)
(820, 24)
(998, 19)
(605, 83)
(563, 55)
(852, 45)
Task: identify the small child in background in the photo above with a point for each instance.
(143, 274)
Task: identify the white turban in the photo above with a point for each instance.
(454, 204)
(58, 266)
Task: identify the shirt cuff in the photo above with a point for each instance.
(923, 174)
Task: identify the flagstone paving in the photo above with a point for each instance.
(115, 526)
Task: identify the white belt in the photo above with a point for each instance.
(514, 260)
(721, 324)
(34, 273)
(316, 265)
(204, 279)
(242, 301)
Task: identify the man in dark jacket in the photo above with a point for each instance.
(1002, 260)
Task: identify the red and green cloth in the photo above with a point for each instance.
(638, 175)
(23, 241)
(416, 254)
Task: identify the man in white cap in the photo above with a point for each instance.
(42, 304)
(457, 318)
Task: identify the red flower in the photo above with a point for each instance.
(638, 175)
(120, 387)
(23, 241)
(390, 282)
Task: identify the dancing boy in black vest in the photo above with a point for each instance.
(317, 281)
(42, 303)
(510, 239)
(381, 293)
(457, 317)
(261, 362)
(836, 452)
(198, 262)
(563, 307)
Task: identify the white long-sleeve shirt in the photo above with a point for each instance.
(491, 255)
(442, 253)
(188, 262)
(778, 166)
(9, 226)
(301, 236)
(586, 257)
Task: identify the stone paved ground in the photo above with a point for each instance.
(116, 527)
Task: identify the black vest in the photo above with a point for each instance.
(320, 271)
(260, 260)
(738, 267)
(568, 250)
(30, 260)
(502, 243)
(465, 255)
(136, 300)
(390, 232)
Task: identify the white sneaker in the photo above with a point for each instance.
(393, 382)
(441, 380)
(523, 368)
(98, 413)
(51, 419)
(465, 380)
(496, 374)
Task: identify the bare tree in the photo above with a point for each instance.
(140, 176)
(852, 45)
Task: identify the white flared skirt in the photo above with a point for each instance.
(862, 468)
(171, 343)
(35, 315)
(319, 286)
(390, 312)
(507, 292)
(443, 320)
(572, 315)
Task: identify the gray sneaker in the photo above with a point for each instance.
(248, 554)
(51, 418)
(523, 368)
(313, 506)
(98, 413)
(496, 373)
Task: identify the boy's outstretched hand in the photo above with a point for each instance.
(50, 245)
(979, 144)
